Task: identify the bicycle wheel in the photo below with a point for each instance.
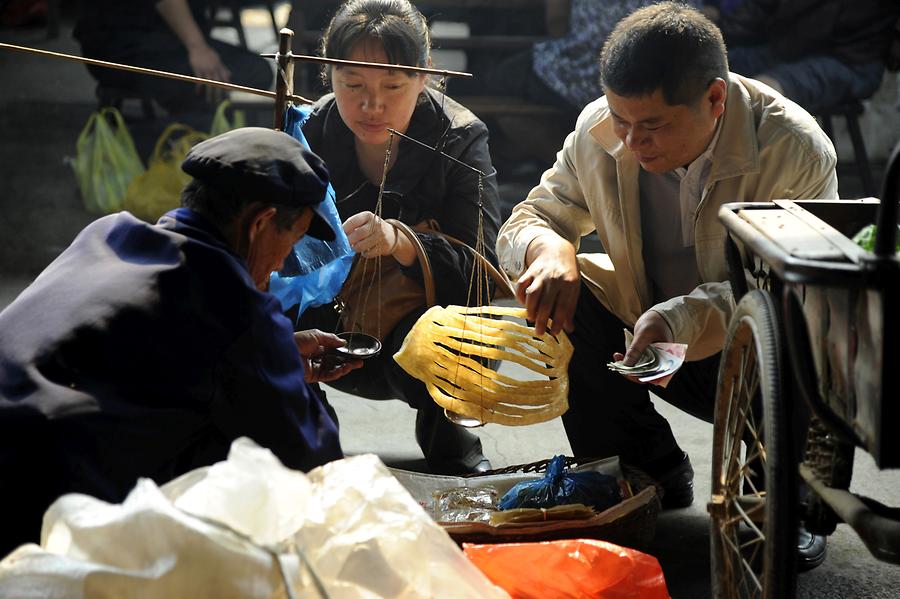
(752, 511)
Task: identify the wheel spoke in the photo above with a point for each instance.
(757, 436)
(735, 479)
(752, 544)
(755, 492)
(731, 543)
(746, 562)
(747, 520)
(748, 570)
(752, 507)
(756, 451)
(750, 583)
(738, 420)
(755, 431)
(733, 572)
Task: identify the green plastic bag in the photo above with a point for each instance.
(158, 189)
(106, 161)
(866, 238)
(220, 122)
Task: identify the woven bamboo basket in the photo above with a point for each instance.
(631, 523)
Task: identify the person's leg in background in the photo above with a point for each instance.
(820, 82)
(163, 51)
(815, 82)
(753, 61)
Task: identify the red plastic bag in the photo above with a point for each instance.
(570, 569)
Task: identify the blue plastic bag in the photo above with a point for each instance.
(560, 487)
(315, 271)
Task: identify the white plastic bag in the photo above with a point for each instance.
(247, 527)
(144, 547)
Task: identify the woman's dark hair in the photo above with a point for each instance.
(667, 46)
(395, 24)
(222, 207)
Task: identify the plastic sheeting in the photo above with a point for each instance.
(315, 270)
(247, 527)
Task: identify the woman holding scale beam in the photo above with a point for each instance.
(362, 130)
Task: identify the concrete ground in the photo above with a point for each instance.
(43, 105)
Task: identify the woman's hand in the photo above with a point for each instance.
(370, 235)
(313, 345)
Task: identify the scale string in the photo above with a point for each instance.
(481, 287)
(478, 284)
(376, 273)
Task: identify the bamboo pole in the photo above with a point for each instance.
(284, 76)
(153, 72)
(372, 65)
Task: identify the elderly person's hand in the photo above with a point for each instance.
(550, 285)
(313, 345)
(370, 235)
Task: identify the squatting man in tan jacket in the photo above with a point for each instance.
(649, 164)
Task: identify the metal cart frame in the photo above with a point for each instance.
(816, 318)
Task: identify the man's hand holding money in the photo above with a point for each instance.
(650, 356)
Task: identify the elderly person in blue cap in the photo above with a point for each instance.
(144, 350)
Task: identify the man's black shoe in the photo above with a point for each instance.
(810, 550)
(483, 466)
(677, 484)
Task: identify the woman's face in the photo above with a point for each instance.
(372, 100)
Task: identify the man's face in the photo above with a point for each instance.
(269, 245)
(662, 136)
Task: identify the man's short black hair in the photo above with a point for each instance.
(667, 46)
(222, 208)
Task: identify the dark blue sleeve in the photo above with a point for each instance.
(261, 393)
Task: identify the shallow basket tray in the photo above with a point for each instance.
(631, 523)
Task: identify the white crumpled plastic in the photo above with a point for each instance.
(244, 528)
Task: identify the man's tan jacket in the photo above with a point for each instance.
(769, 148)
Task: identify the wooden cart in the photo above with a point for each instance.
(807, 370)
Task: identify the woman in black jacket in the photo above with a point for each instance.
(349, 130)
